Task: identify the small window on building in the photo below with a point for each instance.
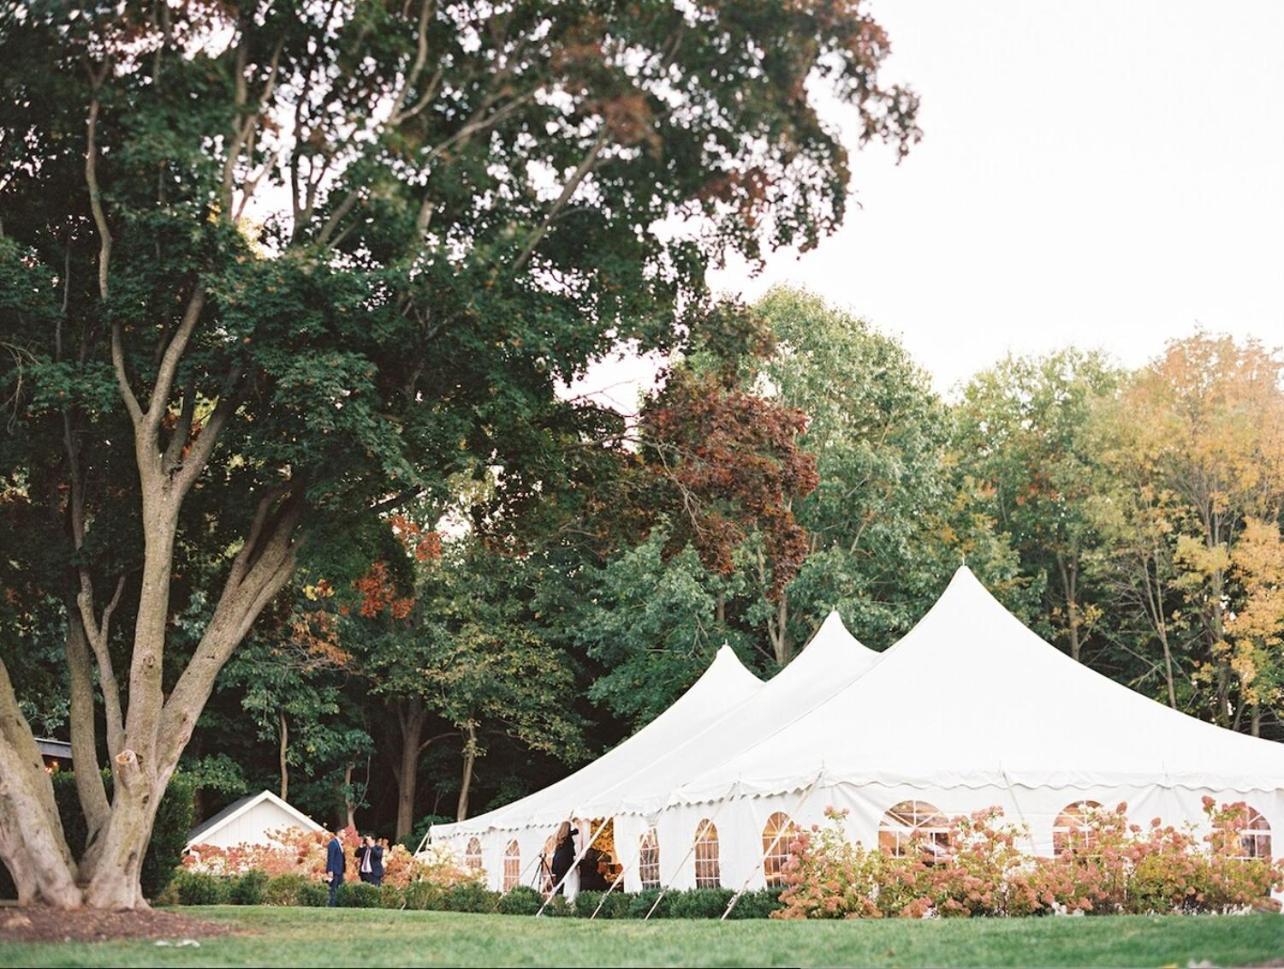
(707, 873)
(915, 823)
(649, 860)
(1072, 830)
(472, 854)
(1254, 835)
(512, 865)
(777, 835)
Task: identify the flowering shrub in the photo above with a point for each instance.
(1116, 867)
(298, 852)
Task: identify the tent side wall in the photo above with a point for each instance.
(741, 822)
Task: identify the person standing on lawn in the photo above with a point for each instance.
(565, 880)
(335, 864)
(362, 852)
(375, 856)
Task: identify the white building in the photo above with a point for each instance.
(250, 821)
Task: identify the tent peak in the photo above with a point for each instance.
(727, 664)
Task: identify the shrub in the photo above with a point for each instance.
(615, 906)
(358, 895)
(194, 888)
(313, 894)
(558, 908)
(524, 900)
(293, 851)
(699, 903)
(640, 903)
(390, 896)
(757, 905)
(289, 890)
(247, 888)
(1115, 867)
(470, 897)
(424, 896)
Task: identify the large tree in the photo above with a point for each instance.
(1025, 432)
(284, 263)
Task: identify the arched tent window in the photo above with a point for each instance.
(776, 836)
(512, 865)
(1254, 835)
(649, 860)
(473, 854)
(1072, 831)
(913, 822)
(707, 872)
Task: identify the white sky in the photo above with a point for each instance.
(1104, 173)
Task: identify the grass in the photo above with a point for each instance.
(373, 937)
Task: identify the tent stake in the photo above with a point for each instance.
(771, 847)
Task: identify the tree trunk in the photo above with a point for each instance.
(281, 756)
(466, 781)
(32, 843)
(1168, 666)
(411, 721)
(1070, 592)
(1255, 724)
(84, 746)
(349, 805)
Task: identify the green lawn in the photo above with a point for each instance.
(343, 937)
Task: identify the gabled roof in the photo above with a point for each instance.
(203, 831)
(971, 697)
(53, 748)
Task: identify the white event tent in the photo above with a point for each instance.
(969, 710)
(724, 712)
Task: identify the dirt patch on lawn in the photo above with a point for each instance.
(38, 924)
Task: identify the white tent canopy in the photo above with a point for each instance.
(972, 698)
(833, 659)
(708, 724)
(724, 685)
(969, 710)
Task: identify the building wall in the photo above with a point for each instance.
(253, 827)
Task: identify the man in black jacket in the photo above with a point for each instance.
(335, 864)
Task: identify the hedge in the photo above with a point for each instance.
(194, 888)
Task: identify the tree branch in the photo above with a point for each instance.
(568, 190)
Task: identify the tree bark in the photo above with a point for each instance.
(84, 747)
(349, 805)
(411, 722)
(466, 781)
(285, 767)
(1070, 592)
(32, 843)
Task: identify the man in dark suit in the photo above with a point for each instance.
(364, 858)
(335, 864)
(375, 854)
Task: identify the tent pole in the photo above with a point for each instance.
(424, 840)
(578, 858)
(1029, 832)
(771, 847)
(520, 877)
(602, 901)
(664, 889)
